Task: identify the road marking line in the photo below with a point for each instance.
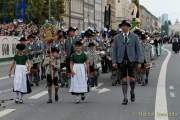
(171, 87)
(5, 63)
(100, 84)
(95, 89)
(6, 112)
(103, 90)
(39, 95)
(172, 95)
(5, 77)
(161, 100)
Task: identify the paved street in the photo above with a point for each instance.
(104, 102)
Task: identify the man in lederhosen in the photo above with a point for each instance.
(126, 53)
(69, 45)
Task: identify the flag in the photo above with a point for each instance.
(30, 11)
(5, 17)
(22, 8)
(15, 9)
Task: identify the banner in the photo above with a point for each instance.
(8, 46)
(22, 8)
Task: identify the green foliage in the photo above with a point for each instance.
(136, 2)
(39, 10)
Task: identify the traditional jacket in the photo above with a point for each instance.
(56, 65)
(146, 52)
(93, 57)
(120, 49)
(69, 45)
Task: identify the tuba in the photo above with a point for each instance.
(48, 35)
(48, 32)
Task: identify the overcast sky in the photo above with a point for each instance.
(158, 7)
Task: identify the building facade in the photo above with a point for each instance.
(122, 10)
(84, 13)
(164, 18)
(74, 16)
(175, 28)
(149, 22)
(112, 4)
(99, 14)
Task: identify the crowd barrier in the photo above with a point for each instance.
(8, 46)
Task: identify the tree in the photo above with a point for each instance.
(39, 10)
(9, 10)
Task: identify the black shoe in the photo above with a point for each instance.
(125, 102)
(67, 85)
(16, 101)
(83, 97)
(37, 84)
(143, 84)
(21, 101)
(139, 82)
(132, 97)
(49, 101)
(146, 81)
(56, 97)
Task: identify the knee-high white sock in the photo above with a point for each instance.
(16, 95)
(20, 95)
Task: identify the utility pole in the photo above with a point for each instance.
(94, 13)
(49, 9)
(88, 13)
(101, 14)
(69, 13)
(83, 15)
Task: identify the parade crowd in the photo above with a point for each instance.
(17, 29)
(75, 60)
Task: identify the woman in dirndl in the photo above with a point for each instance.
(21, 85)
(79, 69)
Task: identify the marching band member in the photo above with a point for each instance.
(69, 45)
(63, 55)
(94, 59)
(21, 84)
(79, 69)
(52, 64)
(71, 40)
(89, 38)
(126, 52)
(146, 57)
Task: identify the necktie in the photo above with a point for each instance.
(126, 39)
(71, 40)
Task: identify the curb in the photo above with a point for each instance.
(5, 59)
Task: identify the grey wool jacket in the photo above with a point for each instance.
(133, 48)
